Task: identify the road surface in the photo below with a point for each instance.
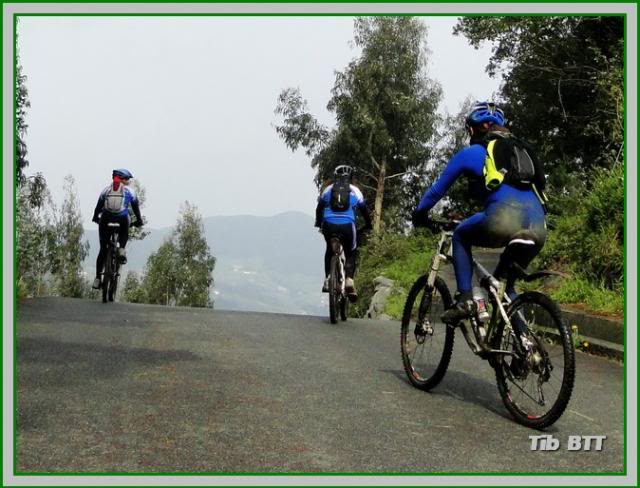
(141, 388)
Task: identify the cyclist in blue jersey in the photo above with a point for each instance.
(508, 210)
(335, 216)
(113, 206)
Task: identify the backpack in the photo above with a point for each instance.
(341, 194)
(114, 199)
(511, 160)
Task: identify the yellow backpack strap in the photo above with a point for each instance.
(492, 177)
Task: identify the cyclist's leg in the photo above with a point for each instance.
(327, 232)
(103, 235)
(488, 228)
(532, 219)
(348, 239)
(123, 230)
(471, 232)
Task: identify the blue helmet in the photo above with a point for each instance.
(485, 112)
(122, 173)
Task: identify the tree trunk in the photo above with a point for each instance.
(377, 209)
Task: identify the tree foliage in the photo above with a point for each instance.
(22, 103)
(589, 239)
(132, 290)
(139, 233)
(34, 239)
(385, 112)
(69, 250)
(562, 85)
(180, 272)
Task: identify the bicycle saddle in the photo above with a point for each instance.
(519, 249)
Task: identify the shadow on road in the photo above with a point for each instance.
(462, 387)
(78, 362)
(47, 363)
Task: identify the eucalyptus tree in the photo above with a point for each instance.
(194, 259)
(34, 238)
(70, 249)
(385, 109)
(180, 271)
(139, 233)
(133, 291)
(21, 104)
(160, 280)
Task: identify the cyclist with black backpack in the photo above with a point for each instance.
(335, 216)
(505, 174)
(113, 206)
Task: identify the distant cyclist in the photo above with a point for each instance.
(113, 206)
(335, 216)
(507, 176)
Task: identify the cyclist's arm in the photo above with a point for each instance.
(462, 162)
(319, 212)
(98, 209)
(135, 206)
(323, 201)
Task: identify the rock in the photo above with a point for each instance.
(383, 287)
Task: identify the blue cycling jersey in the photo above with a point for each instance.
(356, 199)
(507, 210)
(470, 162)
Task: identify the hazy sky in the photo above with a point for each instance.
(187, 103)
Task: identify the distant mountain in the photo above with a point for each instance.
(266, 264)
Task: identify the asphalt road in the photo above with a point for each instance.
(140, 388)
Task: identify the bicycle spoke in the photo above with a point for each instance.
(539, 383)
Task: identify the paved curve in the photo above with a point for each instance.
(142, 388)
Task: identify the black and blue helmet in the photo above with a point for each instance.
(122, 173)
(343, 170)
(485, 112)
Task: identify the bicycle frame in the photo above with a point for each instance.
(111, 270)
(497, 295)
(338, 251)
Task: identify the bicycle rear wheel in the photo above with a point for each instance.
(426, 342)
(535, 385)
(113, 288)
(344, 308)
(334, 293)
(106, 275)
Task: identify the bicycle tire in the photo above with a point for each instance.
(113, 288)
(333, 292)
(530, 307)
(344, 308)
(442, 336)
(106, 276)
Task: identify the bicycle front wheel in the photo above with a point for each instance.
(426, 342)
(113, 287)
(536, 382)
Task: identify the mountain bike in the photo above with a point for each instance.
(111, 273)
(526, 341)
(338, 300)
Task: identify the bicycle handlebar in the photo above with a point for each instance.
(442, 224)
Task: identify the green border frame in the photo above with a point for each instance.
(152, 14)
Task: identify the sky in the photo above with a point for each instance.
(187, 104)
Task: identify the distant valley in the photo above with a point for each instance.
(265, 264)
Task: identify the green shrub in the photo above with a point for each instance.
(398, 257)
(587, 238)
(597, 298)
